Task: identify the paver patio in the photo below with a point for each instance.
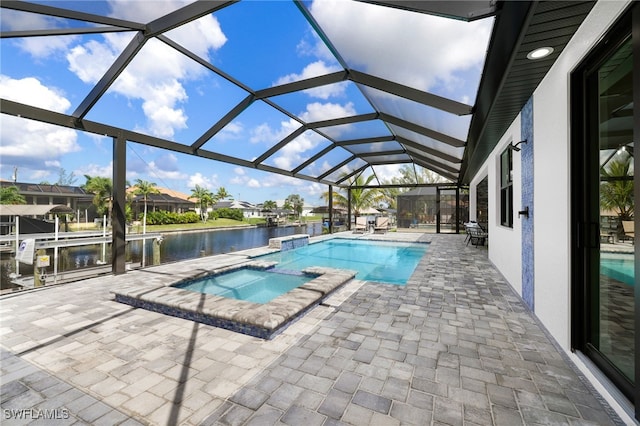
(454, 346)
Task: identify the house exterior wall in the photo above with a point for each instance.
(551, 171)
(505, 245)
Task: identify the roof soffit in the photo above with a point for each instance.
(509, 77)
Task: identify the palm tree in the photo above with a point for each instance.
(145, 188)
(205, 199)
(361, 198)
(222, 194)
(408, 176)
(269, 205)
(101, 188)
(616, 190)
(294, 202)
(11, 195)
(390, 196)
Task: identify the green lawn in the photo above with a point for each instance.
(217, 223)
(212, 223)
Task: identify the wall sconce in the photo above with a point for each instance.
(515, 147)
(524, 212)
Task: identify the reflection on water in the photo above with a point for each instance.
(174, 247)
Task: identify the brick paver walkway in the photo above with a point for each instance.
(455, 346)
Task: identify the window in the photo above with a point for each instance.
(506, 188)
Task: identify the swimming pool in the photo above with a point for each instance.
(257, 286)
(380, 261)
(618, 266)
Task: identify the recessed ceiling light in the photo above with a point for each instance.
(540, 53)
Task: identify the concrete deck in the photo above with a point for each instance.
(454, 346)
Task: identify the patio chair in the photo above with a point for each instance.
(382, 225)
(361, 225)
(477, 236)
(468, 225)
(629, 230)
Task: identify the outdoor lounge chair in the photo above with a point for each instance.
(477, 235)
(629, 231)
(361, 225)
(382, 225)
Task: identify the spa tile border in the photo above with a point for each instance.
(259, 320)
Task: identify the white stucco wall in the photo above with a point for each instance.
(506, 252)
(505, 247)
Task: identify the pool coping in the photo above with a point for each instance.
(259, 320)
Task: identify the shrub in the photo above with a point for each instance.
(191, 217)
(162, 217)
(226, 213)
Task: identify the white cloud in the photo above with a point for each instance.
(253, 183)
(95, 170)
(325, 167)
(264, 133)
(370, 37)
(32, 92)
(316, 69)
(38, 175)
(296, 151)
(160, 173)
(208, 182)
(44, 47)
(312, 45)
(318, 111)
(35, 140)
(242, 178)
(53, 164)
(289, 185)
(38, 47)
(315, 189)
(231, 131)
(200, 36)
(388, 171)
(28, 141)
(91, 60)
(13, 20)
(281, 181)
(157, 74)
(167, 161)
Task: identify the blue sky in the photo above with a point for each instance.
(258, 43)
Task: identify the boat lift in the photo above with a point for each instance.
(57, 240)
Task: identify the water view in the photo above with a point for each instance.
(175, 246)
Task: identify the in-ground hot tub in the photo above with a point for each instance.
(263, 320)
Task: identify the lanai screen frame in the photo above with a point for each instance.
(517, 27)
(411, 152)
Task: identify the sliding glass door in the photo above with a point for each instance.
(603, 206)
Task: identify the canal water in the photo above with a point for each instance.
(189, 245)
(175, 246)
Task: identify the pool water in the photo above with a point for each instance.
(257, 286)
(381, 261)
(618, 266)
